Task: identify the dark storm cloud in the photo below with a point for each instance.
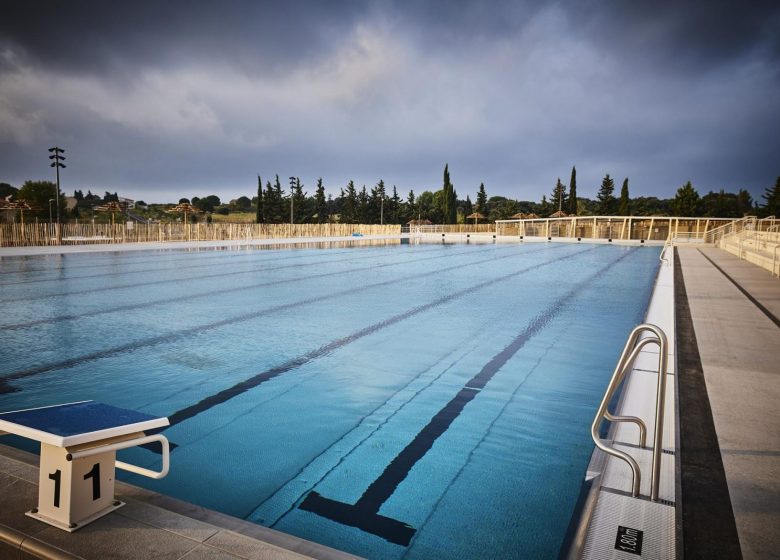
(120, 37)
(162, 99)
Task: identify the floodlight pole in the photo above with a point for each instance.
(56, 164)
(292, 187)
(50, 201)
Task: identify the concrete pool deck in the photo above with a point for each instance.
(734, 306)
(149, 526)
(731, 302)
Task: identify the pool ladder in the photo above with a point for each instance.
(635, 343)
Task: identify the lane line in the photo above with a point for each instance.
(169, 281)
(268, 374)
(364, 513)
(173, 268)
(210, 293)
(178, 335)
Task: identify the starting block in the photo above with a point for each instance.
(79, 442)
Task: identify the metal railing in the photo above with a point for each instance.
(634, 345)
(667, 244)
(715, 235)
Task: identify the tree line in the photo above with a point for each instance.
(275, 202)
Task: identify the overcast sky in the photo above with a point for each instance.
(158, 100)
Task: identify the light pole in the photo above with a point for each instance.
(292, 191)
(50, 201)
(382, 210)
(56, 164)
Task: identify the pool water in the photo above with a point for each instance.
(407, 401)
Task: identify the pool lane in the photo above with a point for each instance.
(174, 295)
(180, 334)
(10, 291)
(254, 381)
(324, 425)
(121, 260)
(244, 403)
(168, 266)
(364, 514)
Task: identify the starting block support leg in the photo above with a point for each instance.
(73, 493)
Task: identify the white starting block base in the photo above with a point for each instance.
(79, 442)
(74, 492)
(74, 526)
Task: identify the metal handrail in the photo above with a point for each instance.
(714, 235)
(667, 243)
(631, 350)
(166, 461)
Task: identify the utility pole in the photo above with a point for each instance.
(292, 192)
(56, 164)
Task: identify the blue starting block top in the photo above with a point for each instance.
(69, 424)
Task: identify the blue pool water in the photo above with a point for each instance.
(408, 401)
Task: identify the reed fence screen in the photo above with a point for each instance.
(25, 235)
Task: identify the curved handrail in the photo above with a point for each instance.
(630, 351)
(667, 243)
(166, 462)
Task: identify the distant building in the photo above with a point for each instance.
(127, 202)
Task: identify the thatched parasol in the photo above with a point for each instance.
(112, 207)
(559, 214)
(518, 216)
(184, 208)
(20, 205)
(476, 216)
(419, 223)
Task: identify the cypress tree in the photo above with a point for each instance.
(362, 207)
(279, 211)
(482, 200)
(349, 210)
(259, 213)
(544, 207)
(558, 198)
(606, 200)
(299, 201)
(268, 203)
(321, 203)
(449, 199)
(468, 207)
(395, 206)
(572, 209)
(411, 206)
(624, 209)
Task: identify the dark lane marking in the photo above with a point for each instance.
(243, 386)
(255, 270)
(156, 259)
(174, 268)
(753, 300)
(133, 306)
(706, 517)
(177, 335)
(364, 513)
(365, 419)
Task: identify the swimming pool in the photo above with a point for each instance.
(411, 401)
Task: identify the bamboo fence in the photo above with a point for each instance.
(25, 235)
(648, 228)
